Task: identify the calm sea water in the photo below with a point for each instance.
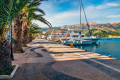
(106, 47)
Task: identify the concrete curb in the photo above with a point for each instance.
(11, 75)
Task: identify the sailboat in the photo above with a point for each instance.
(77, 38)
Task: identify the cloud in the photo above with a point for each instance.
(97, 13)
(101, 7)
(112, 4)
(65, 15)
(61, 18)
(64, 18)
(107, 5)
(113, 16)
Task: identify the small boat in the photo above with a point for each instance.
(79, 39)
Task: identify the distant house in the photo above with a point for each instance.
(44, 32)
(43, 36)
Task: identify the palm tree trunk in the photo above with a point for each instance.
(17, 30)
(5, 56)
(30, 38)
(24, 32)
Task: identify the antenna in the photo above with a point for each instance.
(80, 12)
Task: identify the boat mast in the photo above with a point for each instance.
(80, 12)
(85, 17)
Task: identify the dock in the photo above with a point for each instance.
(53, 61)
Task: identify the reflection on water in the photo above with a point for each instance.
(106, 47)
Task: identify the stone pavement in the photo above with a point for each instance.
(35, 65)
(44, 60)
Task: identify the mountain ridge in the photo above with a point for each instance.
(115, 25)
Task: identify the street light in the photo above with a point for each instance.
(12, 57)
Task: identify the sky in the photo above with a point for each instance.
(66, 12)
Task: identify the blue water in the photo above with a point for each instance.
(106, 47)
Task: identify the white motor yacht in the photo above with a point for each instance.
(79, 39)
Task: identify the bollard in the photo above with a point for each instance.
(109, 56)
(71, 45)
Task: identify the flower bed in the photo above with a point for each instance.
(8, 74)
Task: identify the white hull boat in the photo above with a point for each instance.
(80, 42)
(79, 39)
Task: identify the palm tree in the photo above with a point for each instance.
(17, 30)
(24, 32)
(29, 15)
(21, 22)
(33, 31)
(9, 9)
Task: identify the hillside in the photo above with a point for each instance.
(110, 30)
(114, 25)
(96, 31)
(47, 28)
(103, 32)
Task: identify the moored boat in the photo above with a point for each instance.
(79, 39)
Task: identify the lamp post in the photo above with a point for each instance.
(12, 57)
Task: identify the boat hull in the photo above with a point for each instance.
(82, 42)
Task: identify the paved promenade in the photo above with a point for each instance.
(44, 60)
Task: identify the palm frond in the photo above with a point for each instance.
(5, 11)
(9, 9)
(37, 10)
(41, 19)
(34, 4)
(30, 10)
(34, 29)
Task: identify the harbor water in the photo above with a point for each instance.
(104, 47)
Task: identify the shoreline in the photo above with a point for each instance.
(104, 47)
(101, 54)
(80, 50)
(63, 62)
(87, 51)
(63, 53)
(89, 55)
